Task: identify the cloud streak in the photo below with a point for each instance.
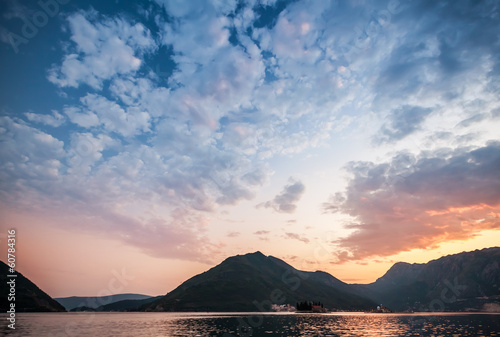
(295, 236)
(286, 201)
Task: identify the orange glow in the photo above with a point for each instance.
(353, 272)
(461, 210)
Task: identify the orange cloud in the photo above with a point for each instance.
(459, 210)
(428, 201)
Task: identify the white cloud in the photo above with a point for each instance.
(128, 123)
(85, 150)
(31, 163)
(143, 93)
(103, 50)
(21, 140)
(199, 45)
(55, 120)
(85, 119)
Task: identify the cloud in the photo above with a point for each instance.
(402, 122)
(42, 175)
(233, 234)
(183, 235)
(285, 202)
(81, 118)
(143, 94)
(410, 203)
(251, 82)
(262, 235)
(262, 232)
(296, 236)
(473, 119)
(86, 150)
(162, 238)
(20, 140)
(54, 120)
(434, 61)
(128, 123)
(101, 50)
(31, 162)
(257, 177)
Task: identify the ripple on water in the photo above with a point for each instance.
(227, 325)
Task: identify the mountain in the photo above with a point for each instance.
(123, 305)
(127, 305)
(253, 282)
(73, 302)
(28, 297)
(469, 281)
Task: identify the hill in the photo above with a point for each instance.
(253, 282)
(468, 281)
(127, 305)
(123, 305)
(28, 297)
(73, 302)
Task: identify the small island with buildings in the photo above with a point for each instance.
(310, 307)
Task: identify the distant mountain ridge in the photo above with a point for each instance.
(28, 297)
(127, 305)
(253, 282)
(95, 302)
(467, 281)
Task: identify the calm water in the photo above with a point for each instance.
(270, 324)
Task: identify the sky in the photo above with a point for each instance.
(143, 142)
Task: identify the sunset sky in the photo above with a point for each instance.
(143, 142)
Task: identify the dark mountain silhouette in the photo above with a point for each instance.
(253, 282)
(468, 281)
(127, 305)
(123, 305)
(73, 302)
(28, 297)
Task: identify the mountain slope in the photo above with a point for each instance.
(465, 281)
(94, 302)
(28, 297)
(252, 282)
(127, 305)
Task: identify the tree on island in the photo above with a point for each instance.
(308, 305)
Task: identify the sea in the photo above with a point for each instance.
(251, 324)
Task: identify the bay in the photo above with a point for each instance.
(251, 324)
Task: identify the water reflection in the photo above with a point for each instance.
(257, 325)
